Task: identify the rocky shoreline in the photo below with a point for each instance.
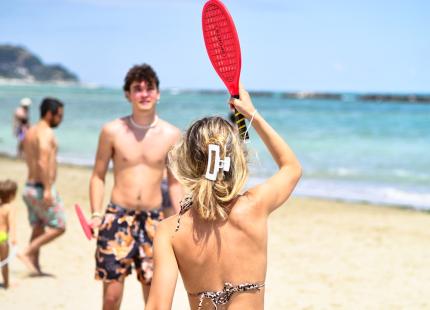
(17, 64)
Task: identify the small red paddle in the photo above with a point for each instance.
(222, 45)
(84, 223)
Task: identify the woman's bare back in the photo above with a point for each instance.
(211, 254)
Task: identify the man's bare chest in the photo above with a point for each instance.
(149, 150)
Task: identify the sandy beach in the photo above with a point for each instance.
(322, 255)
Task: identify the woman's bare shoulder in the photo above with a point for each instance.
(245, 207)
(168, 225)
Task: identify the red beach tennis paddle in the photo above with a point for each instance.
(222, 45)
(85, 226)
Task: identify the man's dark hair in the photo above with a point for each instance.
(50, 104)
(139, 73)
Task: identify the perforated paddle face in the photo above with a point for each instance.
(222, 44)
(83, 221)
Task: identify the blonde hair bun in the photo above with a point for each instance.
(188, 161)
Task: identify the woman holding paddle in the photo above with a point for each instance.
(219, 239)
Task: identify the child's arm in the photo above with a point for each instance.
(12, 224)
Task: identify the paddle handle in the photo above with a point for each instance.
(240, 122)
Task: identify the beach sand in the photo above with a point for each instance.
(322, 255)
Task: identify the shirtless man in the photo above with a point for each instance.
(138, 145)
(45, 208)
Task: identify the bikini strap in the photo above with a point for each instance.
(185, 204)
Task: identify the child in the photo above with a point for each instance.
(8, 190)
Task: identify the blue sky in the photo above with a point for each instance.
(286, 45)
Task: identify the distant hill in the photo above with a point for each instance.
(17, 63)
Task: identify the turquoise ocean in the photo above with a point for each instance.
(350, 150)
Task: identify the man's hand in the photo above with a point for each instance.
(95, 222)
(47, 198)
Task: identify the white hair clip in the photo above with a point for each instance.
(218, 163)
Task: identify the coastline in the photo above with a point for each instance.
(345, 96)
(321, 255)
(32, 82)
